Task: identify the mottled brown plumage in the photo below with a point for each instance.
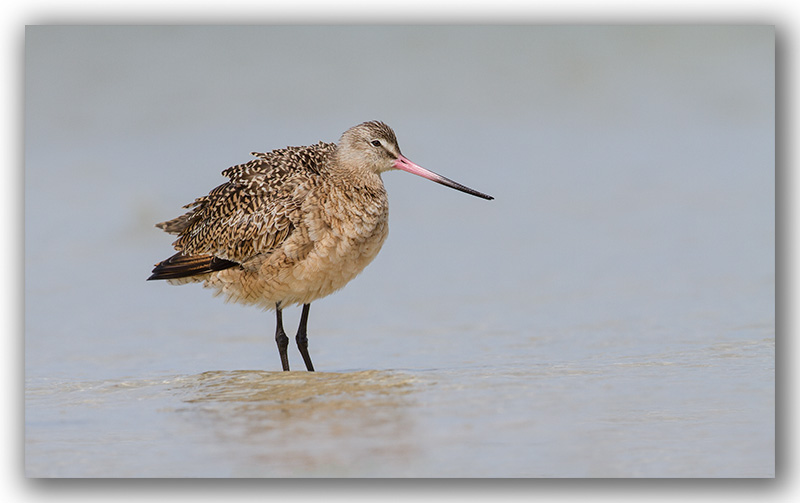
(292, 225)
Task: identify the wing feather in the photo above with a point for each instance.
(255, 211)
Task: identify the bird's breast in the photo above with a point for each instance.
(353, 228)
(347, 229)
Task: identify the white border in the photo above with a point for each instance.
(16, 15)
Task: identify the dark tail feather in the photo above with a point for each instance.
(181, 266)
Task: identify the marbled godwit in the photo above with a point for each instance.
(293, 225)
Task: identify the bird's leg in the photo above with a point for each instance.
(280, 338)
(302, 338)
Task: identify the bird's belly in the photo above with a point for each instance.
(332, 264)
(285, 278)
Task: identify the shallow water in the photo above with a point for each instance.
(610, 314)
(649, 416)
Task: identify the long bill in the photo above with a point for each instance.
(408, 166)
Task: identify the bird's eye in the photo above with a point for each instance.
(376, 143)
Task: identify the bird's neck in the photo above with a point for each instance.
(354, 171)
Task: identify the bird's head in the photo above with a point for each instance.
(372, 146)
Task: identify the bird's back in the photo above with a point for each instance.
(253, 212)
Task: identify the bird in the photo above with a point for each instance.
(292, 225)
